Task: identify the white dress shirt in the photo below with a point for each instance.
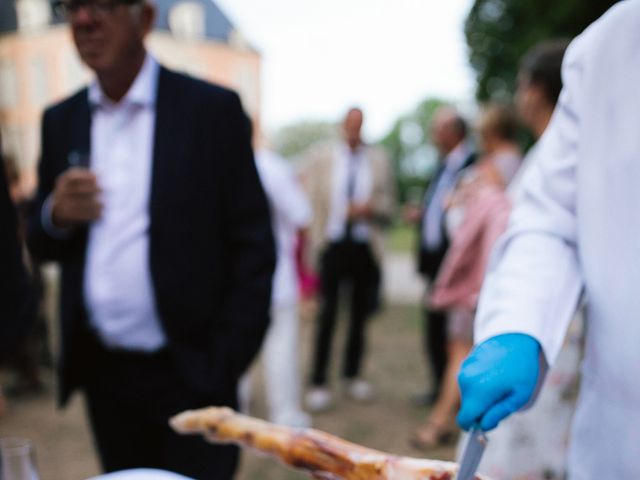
(290, 211)
(348, 163)
(576, 225)
(118, 287)
(432, 224)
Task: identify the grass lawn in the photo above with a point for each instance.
(394, 365)
(401, 238)
(396, 368)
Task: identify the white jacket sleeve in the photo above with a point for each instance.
(533, 282)
(284, 191)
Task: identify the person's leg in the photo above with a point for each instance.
(116, 399)
(129, 406)
(3, 403)
(440, 424)
(444, 409)
(245, 389)
(435, 347)
(330, 272)
(192, 456)
(280, 359)
(441, 421)
(123, 438)
(361, 275)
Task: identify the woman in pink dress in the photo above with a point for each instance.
(476, 215)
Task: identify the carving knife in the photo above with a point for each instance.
(472, 454)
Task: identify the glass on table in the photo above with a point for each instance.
(17, 459)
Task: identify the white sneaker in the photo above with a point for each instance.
(319, 399)
(360, 390)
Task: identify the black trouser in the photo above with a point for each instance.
(342, 262)
(130, 400)
(435, 345)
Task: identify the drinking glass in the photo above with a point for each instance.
(17, 459)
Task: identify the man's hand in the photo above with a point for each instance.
(497, 379)
(360, 211)
(75, 198)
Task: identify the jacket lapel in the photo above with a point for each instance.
(471, 158)
(80, 141)
(166, 137)
(432, 186)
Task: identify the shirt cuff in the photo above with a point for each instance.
(46, 218)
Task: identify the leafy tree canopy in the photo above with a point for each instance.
(408, 143)
(294, 139)
(499, 33)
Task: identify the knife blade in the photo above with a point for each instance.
(472, 454)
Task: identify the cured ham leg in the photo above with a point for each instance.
(322, 455)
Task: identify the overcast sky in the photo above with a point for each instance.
(321, 56)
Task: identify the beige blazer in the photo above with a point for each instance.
(317, 176)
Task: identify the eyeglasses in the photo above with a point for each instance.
(97, 8)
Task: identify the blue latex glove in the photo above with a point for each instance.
(497, 379)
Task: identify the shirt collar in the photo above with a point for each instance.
(142, 92)
(348, 153)
(457, 156)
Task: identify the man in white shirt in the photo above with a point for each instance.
(352, 192)
(575, 229)
(150, 200)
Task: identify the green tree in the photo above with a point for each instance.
(499, 32)
(294, 139)
(414, 158)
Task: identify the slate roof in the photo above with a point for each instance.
(8, 20)
(217, 25)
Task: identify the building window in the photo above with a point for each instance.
(33, 15)
(8, 84)
(187, 21)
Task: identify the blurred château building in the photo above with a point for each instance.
(39, 65)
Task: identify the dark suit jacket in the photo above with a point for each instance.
(15, 295)
(211, 250)
(429, 261)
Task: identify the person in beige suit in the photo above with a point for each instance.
(352, 192)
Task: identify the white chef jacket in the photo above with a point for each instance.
(575, 226)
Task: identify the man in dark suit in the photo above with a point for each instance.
(150, 200)
(15, 294)
(449, 131)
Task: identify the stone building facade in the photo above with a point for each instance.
(39, 65)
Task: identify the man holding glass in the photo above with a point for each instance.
(150, 200)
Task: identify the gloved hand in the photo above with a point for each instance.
(497, 379)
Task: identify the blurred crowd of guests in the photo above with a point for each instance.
(176, 247)
(468, 206)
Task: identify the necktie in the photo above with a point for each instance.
(434, 211)
(351, 193)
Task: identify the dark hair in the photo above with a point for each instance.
(542, 64)
(460, 125)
